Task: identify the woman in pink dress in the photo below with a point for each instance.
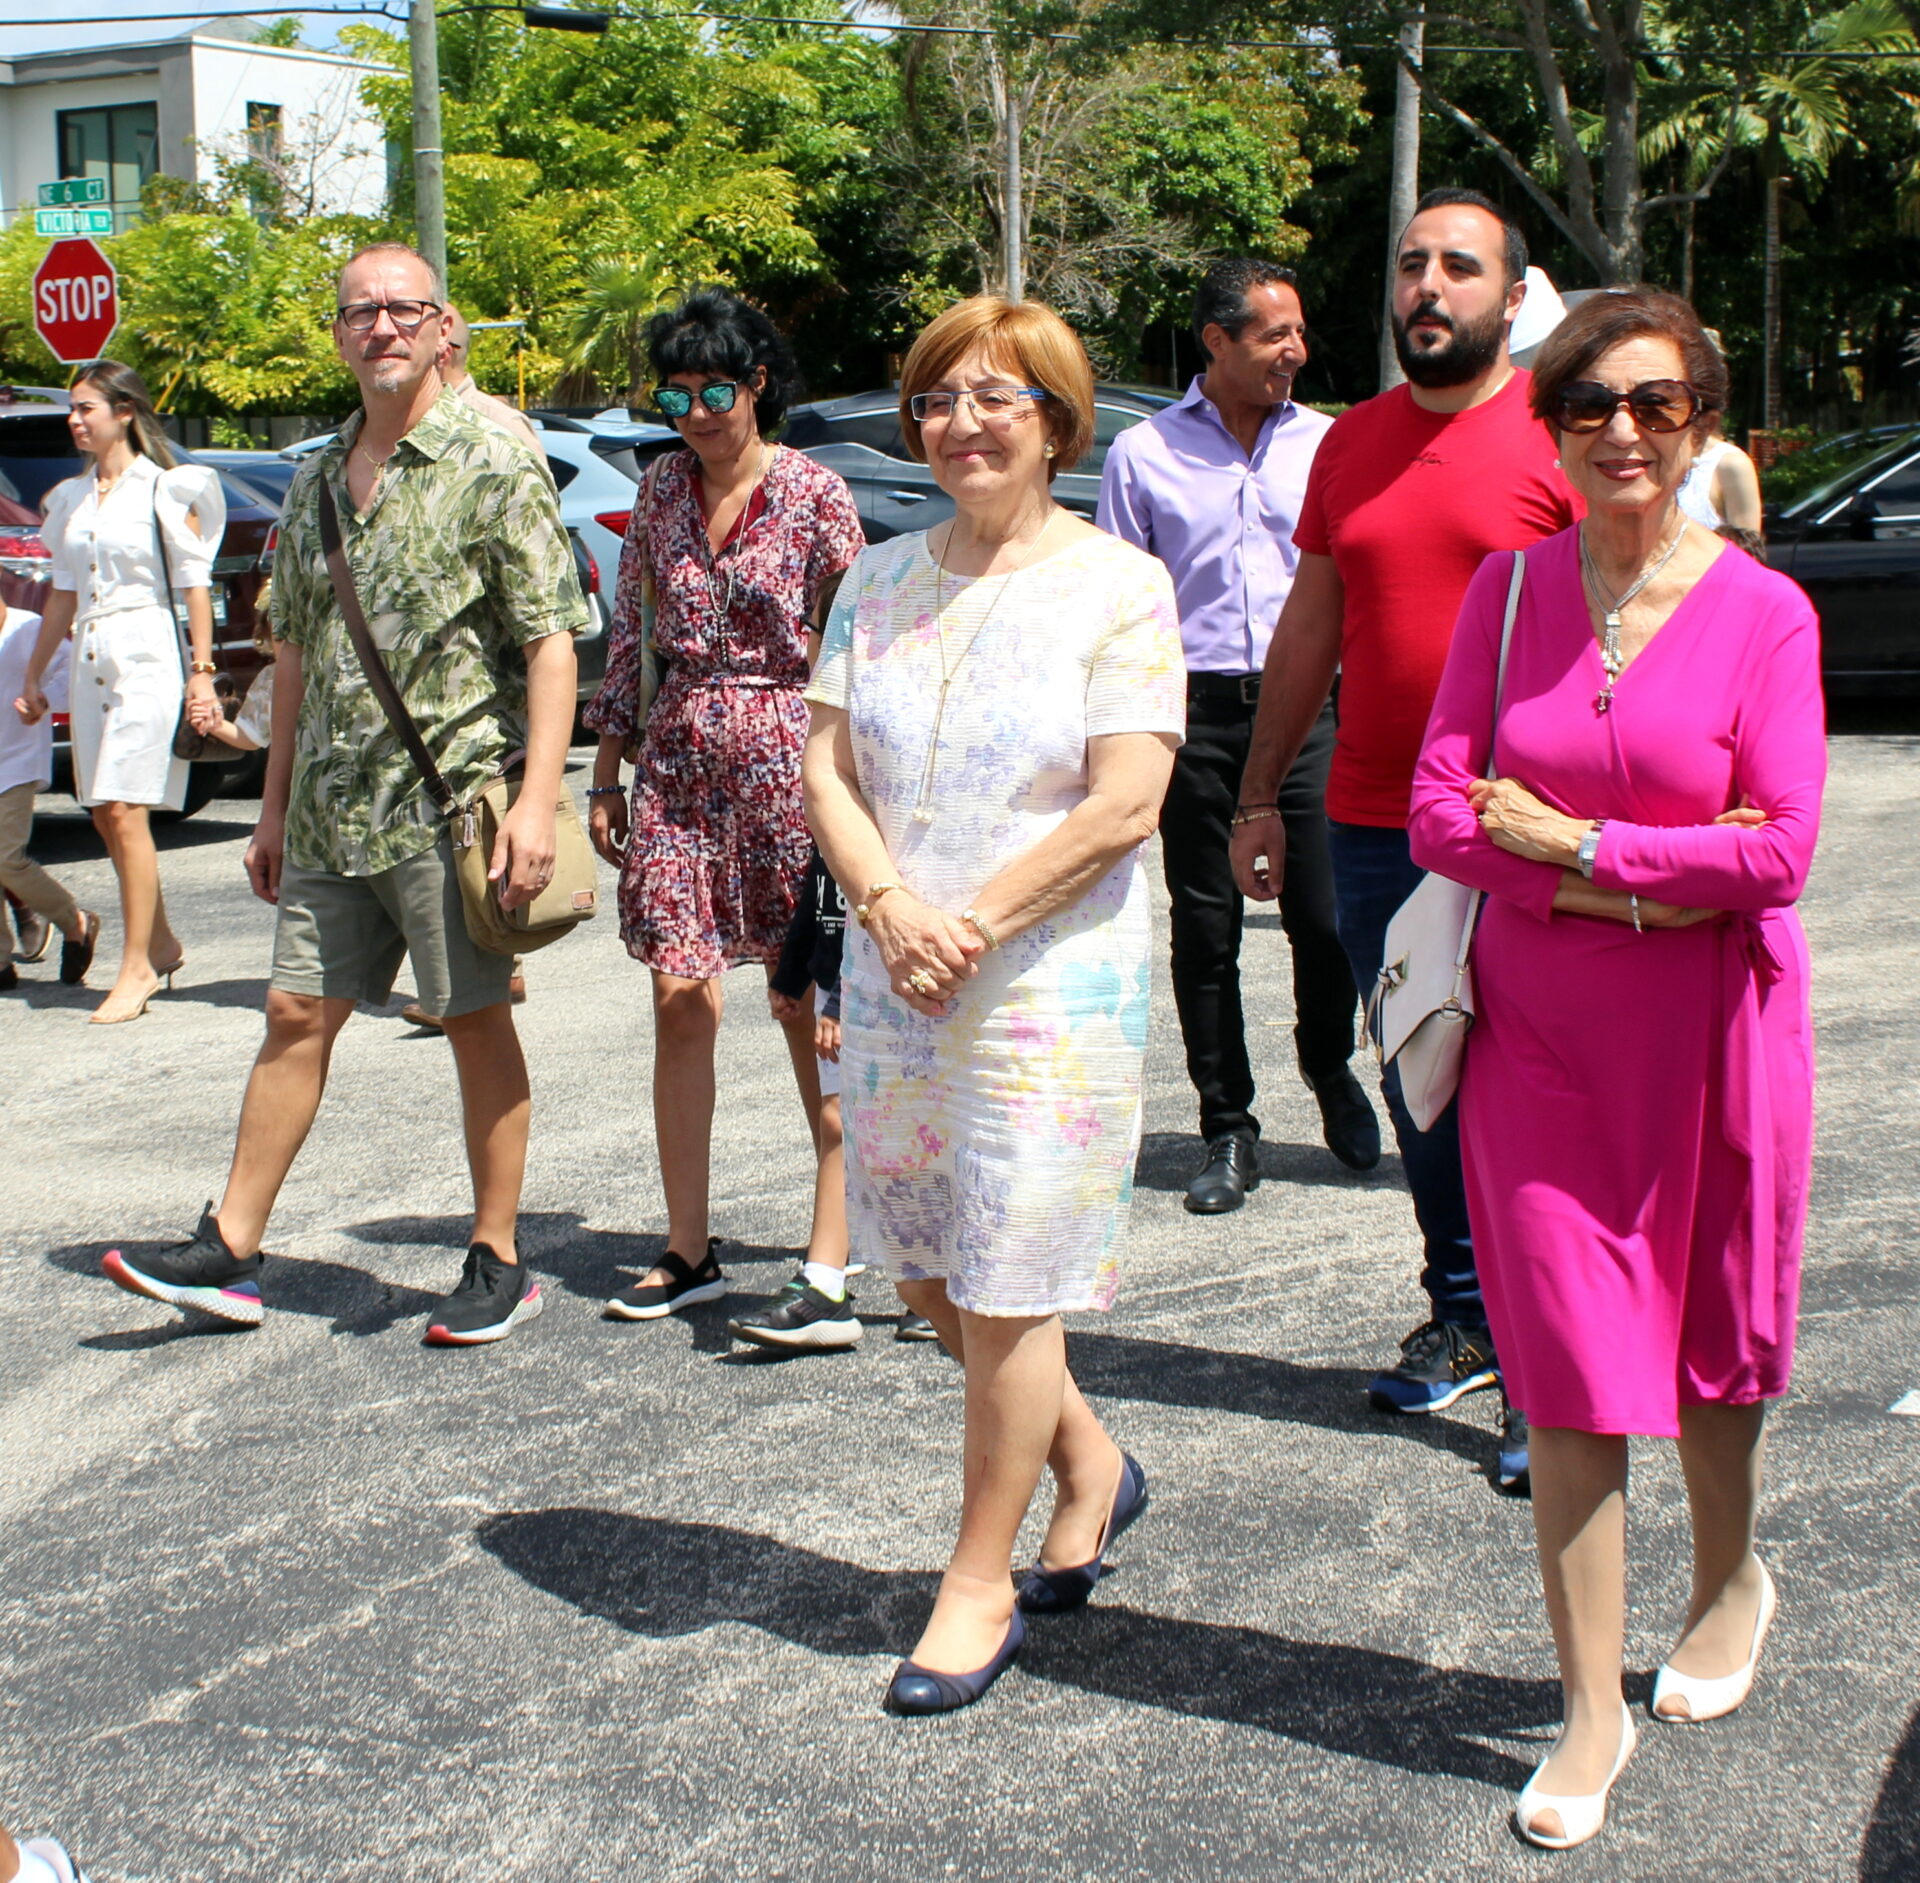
(744, 543)
(1636, 1110)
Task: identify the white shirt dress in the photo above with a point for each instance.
(129, 654)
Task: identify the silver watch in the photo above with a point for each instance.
(1590, 848)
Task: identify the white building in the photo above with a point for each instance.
(177, 106)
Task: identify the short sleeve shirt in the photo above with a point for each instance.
(460, 561)
(1409, 503)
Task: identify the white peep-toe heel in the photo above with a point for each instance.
(1714, 1699)
(1580, 1817)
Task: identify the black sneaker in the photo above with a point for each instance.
(915, 1327)
(802, 1318)
(203, 1274)
(1511, 1471)
(493, 1298)
(648, 1301)
(1439, 1363)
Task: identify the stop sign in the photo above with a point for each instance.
(76, 301)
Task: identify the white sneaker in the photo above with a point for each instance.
(53, 1854)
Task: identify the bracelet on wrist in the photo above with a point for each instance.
(863, 909)
(606, 791)
(1253, 813)
(202, 666)
(986, 934)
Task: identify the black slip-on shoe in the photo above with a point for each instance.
(1347, 1121)
(648, 1301)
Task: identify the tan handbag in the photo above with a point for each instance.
(1421, 1009)
(571, 896)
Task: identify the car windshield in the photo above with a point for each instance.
(1856, 466)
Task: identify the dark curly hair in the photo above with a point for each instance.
(712, 331)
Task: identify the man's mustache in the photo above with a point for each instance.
(1430, 311)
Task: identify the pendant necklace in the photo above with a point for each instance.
(725, 610)
(923, 805)
(1611, 605)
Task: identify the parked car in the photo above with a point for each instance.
(596, 496)
(860, 437)
(266, 473)
(37, 452)
(1853, 543)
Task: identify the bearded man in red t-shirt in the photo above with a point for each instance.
(1408, 493)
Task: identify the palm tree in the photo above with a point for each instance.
(606, 335)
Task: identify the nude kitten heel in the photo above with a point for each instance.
(1580, 1817)
(1714, 1699)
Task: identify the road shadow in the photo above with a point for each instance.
(352, 1300)
(64, 833)
(595, 1263)
(1207, 1379)
(1891, 1853)
(50, 994)
(1170, 1160)
(658, 1577)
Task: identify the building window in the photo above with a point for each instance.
(119, 144)
(265, 195)
(263, 132)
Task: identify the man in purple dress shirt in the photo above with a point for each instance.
(1212, 486)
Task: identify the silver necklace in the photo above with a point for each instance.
(923, 804)
(725, 609)
(1611, 604)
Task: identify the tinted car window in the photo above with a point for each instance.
(1901, 491)
(1869, 460)
(1109, 421)
(563, 472)
(878, 431)
(36, 452)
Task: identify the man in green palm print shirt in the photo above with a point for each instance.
(466, 576)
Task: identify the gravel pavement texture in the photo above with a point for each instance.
(319, 1604)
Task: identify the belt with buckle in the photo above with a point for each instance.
(1241, 689)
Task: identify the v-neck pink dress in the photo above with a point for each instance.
(1636, 1112)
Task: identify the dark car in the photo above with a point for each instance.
(1853, 543)
(860, 437)
(36, 453)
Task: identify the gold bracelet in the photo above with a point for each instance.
(1253, 814)
(202, 666)
(986, 934)
(862, 910)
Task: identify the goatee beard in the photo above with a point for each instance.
(1468, 353)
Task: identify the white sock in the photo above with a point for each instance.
(831, 1282)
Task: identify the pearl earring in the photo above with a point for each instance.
(1049, 451)
(1557, 465)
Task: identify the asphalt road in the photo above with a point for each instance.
(318, 1604)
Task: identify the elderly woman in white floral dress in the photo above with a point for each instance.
(994, 721)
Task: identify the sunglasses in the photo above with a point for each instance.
(1656, 405)
(677, 401)
(362, 316)
(992, 405)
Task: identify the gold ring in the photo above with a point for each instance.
(923, 983)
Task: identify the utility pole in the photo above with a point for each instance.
(429, 177)
(1403, 190)
(1016, 263)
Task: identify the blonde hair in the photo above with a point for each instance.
(1024, 337)
(127, 393)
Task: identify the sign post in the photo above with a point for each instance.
(76, 300)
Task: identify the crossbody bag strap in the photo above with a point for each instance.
(372, 664)
(1499, 695)
(166, 585)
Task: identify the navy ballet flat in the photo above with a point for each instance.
(921, 1690)
(1051, 1591)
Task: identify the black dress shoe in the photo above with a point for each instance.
(1231, 1171)
(1346, 1119)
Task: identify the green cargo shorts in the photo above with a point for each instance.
(344, 937)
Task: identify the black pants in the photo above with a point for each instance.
(1195, 827)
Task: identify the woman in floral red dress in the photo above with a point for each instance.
(744, 543)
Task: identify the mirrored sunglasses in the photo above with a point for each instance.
(677, 401)
(1656, 405)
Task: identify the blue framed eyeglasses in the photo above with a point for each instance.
(992, 405)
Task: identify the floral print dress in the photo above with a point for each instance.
(993, 1147)
(719, 844)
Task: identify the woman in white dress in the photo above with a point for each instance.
(995, 715)
(122, 532)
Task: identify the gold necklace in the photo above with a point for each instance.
(923, 805)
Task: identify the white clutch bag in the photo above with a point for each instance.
(1421, 1008)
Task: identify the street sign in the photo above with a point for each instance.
(59, 222)
(73, 190)
(76, 301)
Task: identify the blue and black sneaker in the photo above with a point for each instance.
(1439, 1363)
(203, 1274)
(1511, 1470)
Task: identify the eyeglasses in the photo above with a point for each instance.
(361, 316)
(992, 405)
(1657, 405)
(677, 401)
